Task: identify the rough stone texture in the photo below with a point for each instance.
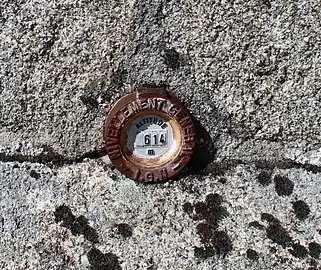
(249, 71)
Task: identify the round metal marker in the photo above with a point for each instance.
(149, 135)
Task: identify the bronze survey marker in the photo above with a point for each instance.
(149, 135)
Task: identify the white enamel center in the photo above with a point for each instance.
(151, 136)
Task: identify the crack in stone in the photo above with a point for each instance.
(219, 168)
(51, 158)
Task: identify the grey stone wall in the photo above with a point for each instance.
(248, 71)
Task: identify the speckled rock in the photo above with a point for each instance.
(249, 72)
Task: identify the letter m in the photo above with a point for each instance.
(134, 107)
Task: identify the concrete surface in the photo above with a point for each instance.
(249, 72)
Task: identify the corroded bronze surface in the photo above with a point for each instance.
(149, 101)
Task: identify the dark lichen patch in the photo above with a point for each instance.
(312, 262)
(252, 254)
(203, 252)
(301, 209)
(77, 226)
(269, 218)
(299, 251)
(124, 229)
(213, 240)
(188, 207)
(314, 250)
(222, 242)
(63, 213)
(264, 178)
(205, 231)
(256, 224)
(34, 174)
(211, 210)
(264, 164)
(171, 58)
(89, 101)
(100, 261)
(278, 235)
(283, 185)
(81, 226)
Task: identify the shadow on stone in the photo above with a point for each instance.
(204, 152)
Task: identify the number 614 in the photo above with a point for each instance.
(155, 138)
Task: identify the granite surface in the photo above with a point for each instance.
(250, 74)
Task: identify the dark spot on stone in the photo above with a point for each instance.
(171, 58)
(100, 261)
(267, 3)
(211, 210)
(273, 249)
(152, 265)
(301, 209)
(125, 230)
(213, 240)
(278, 235)
(264, 178)
(77, 226)
(222, 242)
(188, 207)
(298, 251)
(283, 185)
(264, 164)
(34, 174)
(200, 209)
(312, 262)
(314, 250)
(63, 213)
(203, 253)
(269, 218)
(213, 200)
(15, 166)
(256, 225)
(112, 176)
(222, 180)
(205, 231)
(81, 226)
(89, 102)
(252, 254)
